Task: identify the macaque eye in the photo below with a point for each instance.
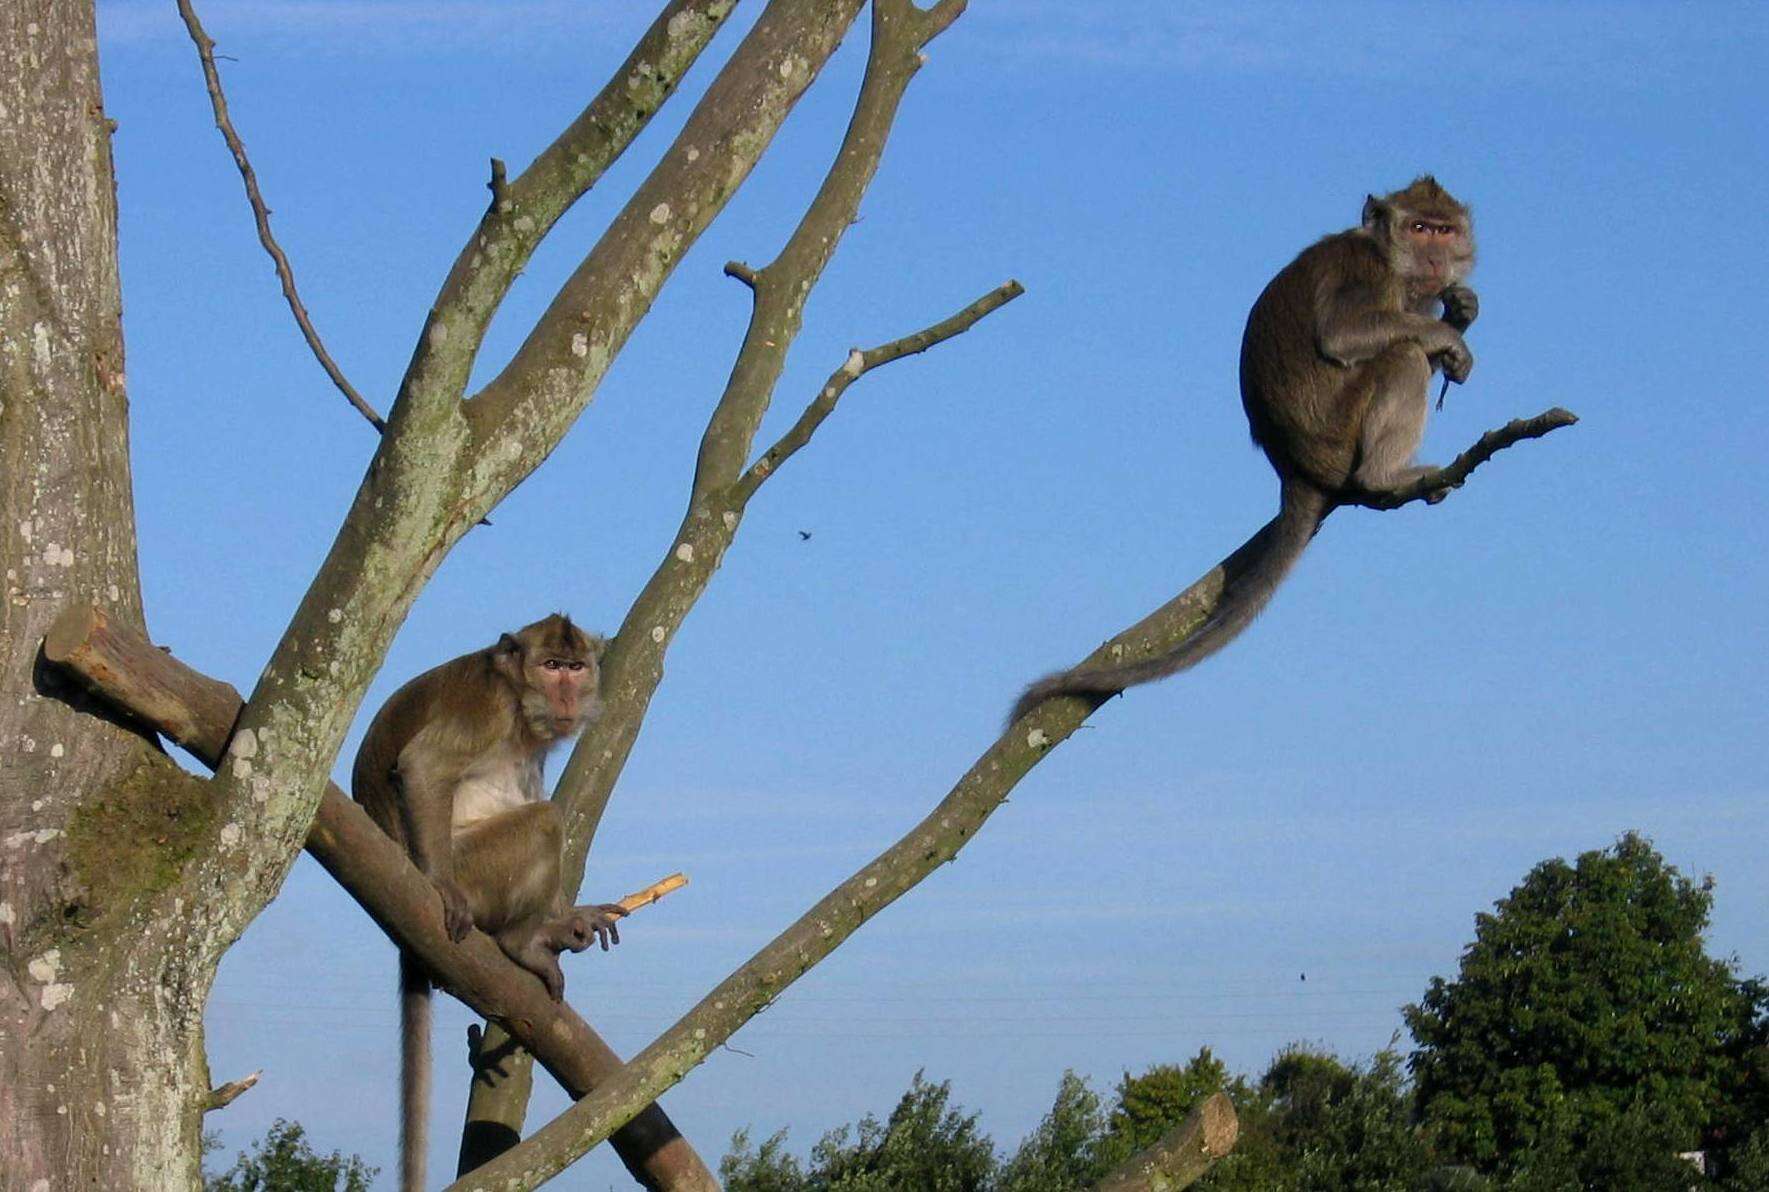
(575, 665)
(552, 664)
(1420, 225)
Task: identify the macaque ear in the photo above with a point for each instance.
(598, 645)
(506, 657)
(1374, 211)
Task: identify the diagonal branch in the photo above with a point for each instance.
(930, 844)
(261, 215)
(765, 976)
(122, 667)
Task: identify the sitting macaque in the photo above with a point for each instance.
(1336, 368)
(451, 769)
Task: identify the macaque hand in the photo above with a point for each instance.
(457, 915)
(583, 926)
(1461, 306)
(1453, 357)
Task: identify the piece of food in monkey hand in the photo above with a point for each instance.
(652, 893)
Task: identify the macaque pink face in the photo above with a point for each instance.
(551, 665)
(562, 681)
(1440, 250)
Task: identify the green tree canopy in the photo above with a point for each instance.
(1587, 1017)
(1061, 1153)
(924, 1145)
(282, 1161)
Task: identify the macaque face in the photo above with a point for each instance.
(568, 686)
(552, 665)
(1440, 249)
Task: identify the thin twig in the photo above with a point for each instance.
(261, 214)
(858, 364)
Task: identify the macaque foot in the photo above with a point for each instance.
(537, 948)
(1437, 486)
(1392, 482)
(530, 948)
(582, 926)
(1408, 484)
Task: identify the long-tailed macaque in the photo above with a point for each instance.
(1336, 367)
(451, 769)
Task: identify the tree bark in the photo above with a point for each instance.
(102, 1076)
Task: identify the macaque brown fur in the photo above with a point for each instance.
(1336, 367)
(451, 769)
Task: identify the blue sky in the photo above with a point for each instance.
(1570, 647)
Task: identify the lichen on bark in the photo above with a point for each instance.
(136, 837)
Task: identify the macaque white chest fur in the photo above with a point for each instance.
(494, 783)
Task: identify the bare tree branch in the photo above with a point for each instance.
(632, 668)
(858, 364)
(261, 215)
(522, 212)
(119, 664)
(1182, 1155)
(221, 1096)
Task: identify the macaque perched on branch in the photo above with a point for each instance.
(1336, 367)
(451, 769)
